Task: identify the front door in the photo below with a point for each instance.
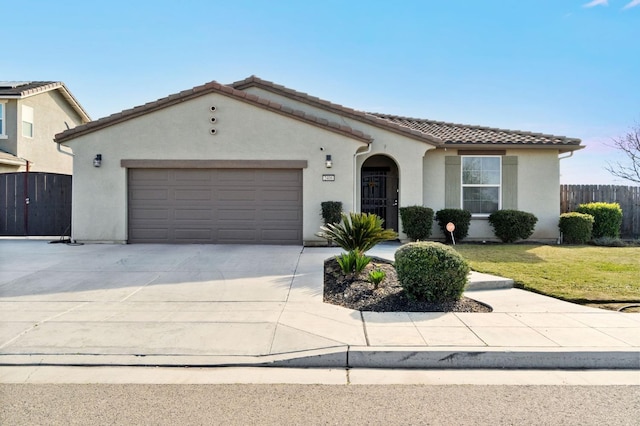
(380, 195)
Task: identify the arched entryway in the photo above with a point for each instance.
(379, 192)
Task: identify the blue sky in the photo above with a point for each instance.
(566, 67)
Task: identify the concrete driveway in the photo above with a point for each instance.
(248, 305)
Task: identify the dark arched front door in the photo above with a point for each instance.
(379, 189)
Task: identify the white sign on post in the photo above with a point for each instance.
(451, 227)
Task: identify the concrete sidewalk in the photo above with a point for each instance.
(209, 305)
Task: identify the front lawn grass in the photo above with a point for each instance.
(607, 277)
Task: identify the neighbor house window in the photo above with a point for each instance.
(27, 121)
(3, 131)
(481, 179)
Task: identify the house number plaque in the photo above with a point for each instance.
(328, 178)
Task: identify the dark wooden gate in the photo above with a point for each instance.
(379, 195)
(35, 203)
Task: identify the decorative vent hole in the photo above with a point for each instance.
(213, 131)
(213, 108)
(213, 119)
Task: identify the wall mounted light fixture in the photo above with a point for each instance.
(328, 163)
(97, 162)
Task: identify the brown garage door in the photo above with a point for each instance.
(222, 206)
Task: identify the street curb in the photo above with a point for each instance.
(366, 357)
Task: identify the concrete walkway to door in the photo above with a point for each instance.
(202, 305)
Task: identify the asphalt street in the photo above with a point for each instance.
(98, 404)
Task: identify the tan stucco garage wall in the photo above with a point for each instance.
(538, 191)
(182, 131)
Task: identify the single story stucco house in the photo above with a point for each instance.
(251, 162)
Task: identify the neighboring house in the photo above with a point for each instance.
(251, 162)
(31, 113)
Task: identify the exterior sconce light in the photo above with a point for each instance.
(97, 162)
(328, 163)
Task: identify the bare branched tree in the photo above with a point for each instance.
(629, 144)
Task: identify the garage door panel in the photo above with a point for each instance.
(280, 195)
(237, 235)
(151, 234)
(236, 214)
(150, 214)
(215, 206)
(193, 235)
(193, 194)
(192, 214)
(191, 177)
(229, 194)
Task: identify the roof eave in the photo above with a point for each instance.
(475, 147)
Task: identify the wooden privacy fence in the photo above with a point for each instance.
(35, 203)
(571, 196)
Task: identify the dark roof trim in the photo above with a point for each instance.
(364, 117)
(214, 164)
(211, 87)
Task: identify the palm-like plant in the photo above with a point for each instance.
(357, 232)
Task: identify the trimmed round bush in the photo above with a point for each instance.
(512, 225)
(607, 218)
(331, 211)
(460, 218)
(431, 271)
(576, 228)
(416, 222)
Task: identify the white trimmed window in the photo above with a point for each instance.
(27, 121)
(481, 184)
(3, 120)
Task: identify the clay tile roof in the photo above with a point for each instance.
(211, 87)
(475, 136)
(371, 119)
(24, 89)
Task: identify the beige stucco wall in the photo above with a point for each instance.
(244, 132)
(538, 191)
(51, 115)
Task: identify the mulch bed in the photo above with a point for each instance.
(361, 295)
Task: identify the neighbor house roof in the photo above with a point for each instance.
(254, 81)
(9, 159)
(211, 87)
(482, 137)
(24, 89)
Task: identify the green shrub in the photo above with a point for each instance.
(353, 262)
(608, 242)
(431, 271)
(512, 225)
(576, 228)
(460, 218)
(376, 277)
(357, 231)
(417, 222)
(607, 218)
(331, 211)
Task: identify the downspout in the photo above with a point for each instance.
(355, 174)
(560, 238)
(568, 156)
(26, 200)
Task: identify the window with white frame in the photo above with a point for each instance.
(481, 181)
(3, 131)
(27, 121)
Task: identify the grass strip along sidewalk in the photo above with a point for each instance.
(604, 277)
